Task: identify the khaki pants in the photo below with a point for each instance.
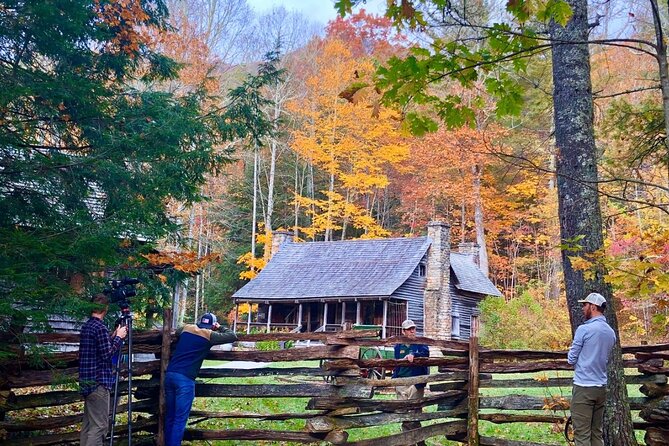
(587, 414)
(410, 393)
(96, 418)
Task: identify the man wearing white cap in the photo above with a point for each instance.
(410, 352)
(589, 354)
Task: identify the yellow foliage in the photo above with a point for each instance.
(254, 265)
(356, 141)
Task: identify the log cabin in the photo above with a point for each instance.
(334, 285)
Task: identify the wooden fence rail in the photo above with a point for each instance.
(343, 405)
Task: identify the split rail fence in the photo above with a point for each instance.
(344, 404)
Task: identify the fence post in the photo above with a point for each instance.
(473, 391)
(164, 359)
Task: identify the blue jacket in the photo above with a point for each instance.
(193, 346)
(419, 351)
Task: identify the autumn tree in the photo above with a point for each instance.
(409, 79)
(90, 152)
(352, 140)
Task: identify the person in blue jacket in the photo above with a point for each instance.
(192, 347)
(410, 352)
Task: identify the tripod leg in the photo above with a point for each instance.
(129, 325)
(115, 397)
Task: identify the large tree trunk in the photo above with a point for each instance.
(579, 209)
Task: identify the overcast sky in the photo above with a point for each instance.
(318, 10)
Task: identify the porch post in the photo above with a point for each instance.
(343, 313)
(357, 312)
(234, 322)
(385, 319)
(248, 319)
(269, 317)
(299, 316)
(325, 314)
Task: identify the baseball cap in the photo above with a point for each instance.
(594, 298)
(408, 324)
(207, 320)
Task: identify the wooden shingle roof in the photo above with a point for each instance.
(348, 269)
(468, 277)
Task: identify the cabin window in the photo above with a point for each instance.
(455, 325)
(422, 270)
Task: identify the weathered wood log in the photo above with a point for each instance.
(653, 369)
(524, 383)
(336, 437)
(522, 355)
(165, 351)
(473, 385)
(526, 402)
(208, 373)
(322, 390)
(643, 379)
(646, 348)
(73, 437)
(563, 382)
(656, 436)
(385, 405)
(252, 434)
(452, 430)
(55, 398)
(139, 337)
(328, 423)
(654, 390)
(448, 348)
(535, 366)
(324, 337)
(39, 423)
(293, 354)
(55, 422)
(34, 378)
(258, 416)
(491, 441)
(501, 418)
(394, 382)
(60, 360)
(445, 364)
(652, 355)
(656, 410)
(453, 385)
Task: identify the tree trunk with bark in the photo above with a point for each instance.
(578, 199)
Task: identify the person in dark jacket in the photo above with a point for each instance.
(410, 352)
(193, 345)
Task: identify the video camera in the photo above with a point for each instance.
(119, 291)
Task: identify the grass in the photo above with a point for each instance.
(536, 432)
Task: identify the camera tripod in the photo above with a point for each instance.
(125, 321)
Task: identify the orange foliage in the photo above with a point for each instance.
(367, 35)
(185, 46)
(187, 262)
(126, 19)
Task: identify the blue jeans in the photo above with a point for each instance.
(179, 396)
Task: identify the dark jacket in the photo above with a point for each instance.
(193, 346)
(419, 351)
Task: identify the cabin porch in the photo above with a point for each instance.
(317, 316)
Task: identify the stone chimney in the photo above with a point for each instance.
(278, 239)
(472, 250)
(437, 299)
